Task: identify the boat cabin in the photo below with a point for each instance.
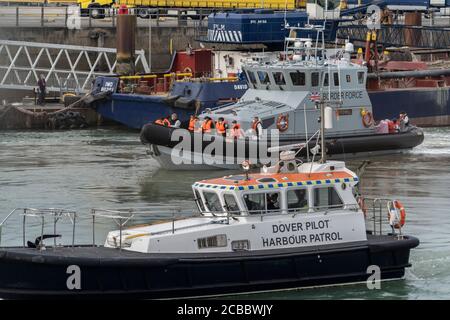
(281, 193)
(311, 204)
(294, 77)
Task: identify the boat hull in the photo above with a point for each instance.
(135, 110)
(426, 107)
(110, 273)
(228, 156)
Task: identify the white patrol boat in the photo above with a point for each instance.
(281, 108)
(292, 225)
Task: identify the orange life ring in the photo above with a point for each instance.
(367, 119)
(187, 70)
(397, 218)
(283, 122)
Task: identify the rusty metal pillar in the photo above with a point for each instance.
(412, 37)
(125, 42)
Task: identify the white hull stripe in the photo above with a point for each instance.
(224, 36)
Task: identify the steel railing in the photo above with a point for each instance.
(372, 208)
(55, 213)
(151, 215)
(376, 212)
(72, 17)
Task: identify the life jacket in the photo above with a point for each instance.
(255, 126)
(221, 127)
(392, 127)
(192, 122)
(159, 121)
(207, 125)
(236, 131)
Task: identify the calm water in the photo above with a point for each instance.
(108, 168)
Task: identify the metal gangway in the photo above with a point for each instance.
(67, 68)
(432, 37)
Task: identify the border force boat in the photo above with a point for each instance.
(292, 225)
(283, 98)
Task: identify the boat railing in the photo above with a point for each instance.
(313, 46)
(375, 210)
(151, 216)
(56, 215)
(210, 217)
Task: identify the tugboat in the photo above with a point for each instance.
(284, 97)
(292, 225)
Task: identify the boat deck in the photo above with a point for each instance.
(101, 255)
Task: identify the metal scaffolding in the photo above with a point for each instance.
(66, 68)
(401, 35)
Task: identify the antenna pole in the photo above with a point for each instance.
(322, 132)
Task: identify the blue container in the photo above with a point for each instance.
(252, 26)
(261, 27)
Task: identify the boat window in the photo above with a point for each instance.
(349, 79)
(258, 203)
(315, 79)
(325, 80)
(361, 77)
(298, 78)
(279, 78)
(273, 200)
(263, 77)
(251, 76)
(297, 199)
(231, 204)
(255, 202)
(326, 197)
(212, 202)
(219, 240)
(266, 180)
(336, 79)
(198, 200)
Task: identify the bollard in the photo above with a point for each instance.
(42, 16)
(125, 43)
(66, 16)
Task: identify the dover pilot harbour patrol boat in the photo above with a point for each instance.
(291, 225)
(285, 95)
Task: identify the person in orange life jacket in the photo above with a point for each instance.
(192, 122)
(257, 126)
(173, 121)
(162, 122)
(207, 125)
(236, 131)
(392, 126)
(221, 126)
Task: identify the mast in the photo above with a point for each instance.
(322, 132)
